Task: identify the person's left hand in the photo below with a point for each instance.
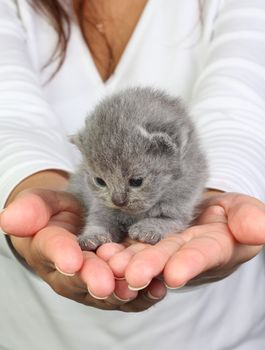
(229, 232)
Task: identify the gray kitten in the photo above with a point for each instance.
(143, 171)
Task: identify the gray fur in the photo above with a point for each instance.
(138, 133)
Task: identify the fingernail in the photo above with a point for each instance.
(95, 296)
(64, 273)
(120, 299)
(139, 288)
(172, 288)
(119, 278)
(150, 296)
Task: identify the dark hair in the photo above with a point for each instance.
(60, 19)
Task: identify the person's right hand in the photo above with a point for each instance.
(42, 225)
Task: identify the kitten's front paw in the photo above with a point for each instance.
(93, 237)
(145, 233)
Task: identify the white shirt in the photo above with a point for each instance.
(214, 60)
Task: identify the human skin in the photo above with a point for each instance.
(41, 220)
(230, 231)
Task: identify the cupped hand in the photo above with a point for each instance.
(229, 231)
(42, 225)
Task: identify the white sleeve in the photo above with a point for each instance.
(229, 97)
(31, 139)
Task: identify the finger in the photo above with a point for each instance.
(246, 217)
(108, 250)
(212, 250)
(98, 276)
(150, 262)
(57, 258)
(156, 290)
(247, 223)
(212, 214)
(123, 293)
(52, 246)
(73, 287)
(32, 210)
(119, 261)
(146, 298)
(242, 254)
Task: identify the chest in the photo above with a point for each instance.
(163, 51)
(107, 26)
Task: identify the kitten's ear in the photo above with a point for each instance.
(161, 143)
(76, 140)
(184, 139)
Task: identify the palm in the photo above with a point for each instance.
(229, 231)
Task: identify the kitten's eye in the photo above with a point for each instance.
(100, 182)
(136, 182)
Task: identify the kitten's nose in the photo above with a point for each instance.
(119, 199)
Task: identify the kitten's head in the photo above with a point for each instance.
(131, 181)
(126, 165)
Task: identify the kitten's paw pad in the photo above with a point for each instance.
(146, 235)
(93, 239)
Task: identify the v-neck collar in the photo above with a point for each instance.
(87, 59)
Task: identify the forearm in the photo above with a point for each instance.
(48, 179)
(228, 103)
(32, 138)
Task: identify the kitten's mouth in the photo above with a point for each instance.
(132, 211)
(112, 205)
(126, 209)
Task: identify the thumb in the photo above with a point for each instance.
(246, 218)
(32, 210)
(248, 224)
